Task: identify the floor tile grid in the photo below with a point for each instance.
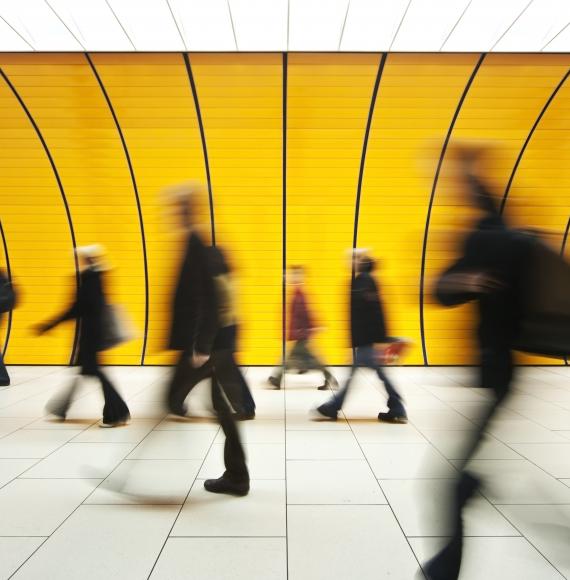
(70, 441)
(169, 535)
(482, 491)
(369, 380)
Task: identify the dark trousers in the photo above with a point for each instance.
(4, 377)
(365, 357)
(227, 389)
(115, 409)
(301, 357)
(186, 377)
(496, 373)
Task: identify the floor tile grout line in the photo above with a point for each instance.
(169, 535)
(387, 500)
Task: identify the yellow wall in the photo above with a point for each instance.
(423, 102)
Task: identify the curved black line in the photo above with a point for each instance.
(137, 198)
(61, 191)
(284, 212)
(562, 248)
(432, 197)
(528, 138)
(9, 274)
(203, 138)
(365, 149)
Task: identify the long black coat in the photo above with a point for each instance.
(88, 310)
(367, 321)
(195, 308)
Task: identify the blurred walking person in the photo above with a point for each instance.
(368, 328)
(490, 272)
(204, 331)
(301, 330)
(89, 309)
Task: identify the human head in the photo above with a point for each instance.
(92, 257)
(187, 201)
(296, 275)
(365, 264)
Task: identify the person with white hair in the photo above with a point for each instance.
(88, 308)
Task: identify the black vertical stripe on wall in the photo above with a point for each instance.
(204, 147)
(529, 137)
(9, 275)
(432, 197)
(61, 191)
(562, 249)
(284, 212)
(364, 150)
(137, 200)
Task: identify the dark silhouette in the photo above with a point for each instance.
(88, 308)
(368, 327)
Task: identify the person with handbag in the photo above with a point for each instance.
(368, 328)
(7, 303)
(204, 332)
(89, 309)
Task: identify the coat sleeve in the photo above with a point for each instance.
(206, 305)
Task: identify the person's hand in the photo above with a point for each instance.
(471, 282)
(199, 359)
(40, 329)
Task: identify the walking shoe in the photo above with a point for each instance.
(178, 411)
(275, 382)
(110, 424)
(330, 383)
(327, 411)
(244, 416)
(391, 417)
(302, 371)
(225, 485)
(57, 413)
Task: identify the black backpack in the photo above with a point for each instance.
(545, 303)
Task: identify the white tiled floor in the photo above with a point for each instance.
(354, 499)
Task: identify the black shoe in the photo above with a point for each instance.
(5, 383)
(178, 411)
(275, 382)
(225, 485)
(302, 371)
(391, 417)
(330, 383)
(245, 416)
(328, 411)
(57, 412)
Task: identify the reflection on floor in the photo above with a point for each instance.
(353, 499)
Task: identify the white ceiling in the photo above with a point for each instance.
(280, 25)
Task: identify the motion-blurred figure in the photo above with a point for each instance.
(301, 329)
(490, 271)
(204, 331)
(368, 327)
(7, 303)
(88, 308)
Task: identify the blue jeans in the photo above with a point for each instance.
(365, 357)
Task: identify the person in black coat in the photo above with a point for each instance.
(88, 310)
(7, 302)
(490, 271)
(205, 335)
(368, 328)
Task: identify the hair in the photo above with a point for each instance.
(297, 268)
(366, 264)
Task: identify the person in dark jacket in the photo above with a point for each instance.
(7, 302)
(204, 331)
(490, 272)
(368, 328)
(88, 310)
(301, 328)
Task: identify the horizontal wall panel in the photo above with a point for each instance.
(248, 199)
